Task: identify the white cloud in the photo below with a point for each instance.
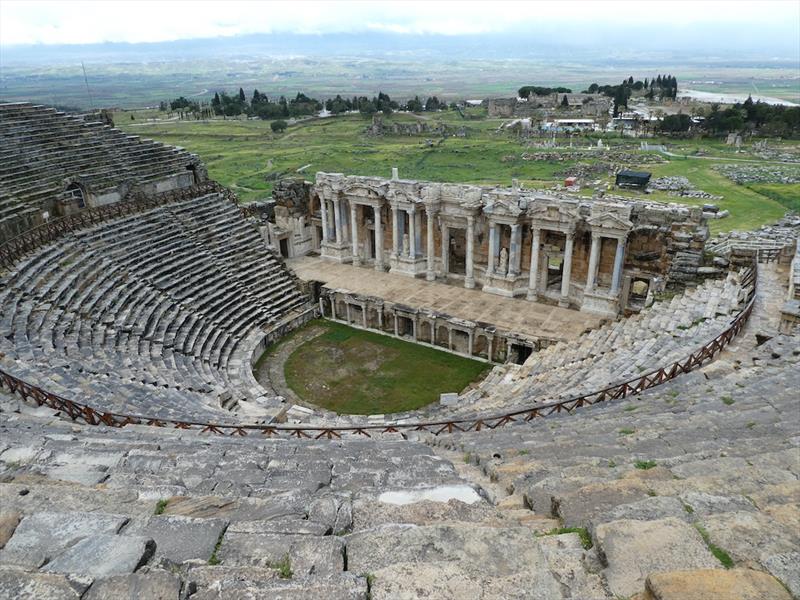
(66, 22)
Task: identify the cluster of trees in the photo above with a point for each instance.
(662, 86)
(526, 90)
(382, 103)
(747, 116)
(260, 105)
(768, 119)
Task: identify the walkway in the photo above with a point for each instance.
(512, 314)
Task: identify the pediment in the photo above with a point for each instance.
(365, 190)
(560, 212)
(503, 206)
(609, 221)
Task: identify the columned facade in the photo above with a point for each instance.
(510, 242)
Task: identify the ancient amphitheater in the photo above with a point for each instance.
(637, 436)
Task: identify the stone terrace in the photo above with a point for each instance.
(156, 313)
(43, 151)
(517, 315)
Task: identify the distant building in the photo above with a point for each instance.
(557, 125)
(633, 179)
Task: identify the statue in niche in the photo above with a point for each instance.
(406, 245)
(503, 261)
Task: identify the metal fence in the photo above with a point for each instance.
(92, 416)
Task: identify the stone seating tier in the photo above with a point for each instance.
(146, 313)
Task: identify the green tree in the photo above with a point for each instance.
(278, 126)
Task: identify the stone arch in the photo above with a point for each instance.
(443, 336)
(425, 333)
(480, 346)
(76, 194)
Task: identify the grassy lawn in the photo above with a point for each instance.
(351, 371)
(246, 156)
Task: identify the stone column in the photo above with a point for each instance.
(431, 250)
(321, 308)
(396, 330)
(414, 328)
(445, 231)
(337, 217)
(469, 344)
(354, 226)
(492, 249)
(469, 280)
(533, 282)
(490, 340)
(364, 315)
(378, 239)
(594, 257)
(323, 207)
(412, 233)
(567, 271)
(345, 223)
(514, 254)
(380, 317)
(347, 311)
(333, 308)
(616, 278)
(449, 338)
(396, 244)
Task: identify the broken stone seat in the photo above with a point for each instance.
(234, 515)
(708, 459)
(661, 334)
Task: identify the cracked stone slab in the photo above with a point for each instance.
(24, 585)
(179, 539)
(345, 586)
(496, 551)
(104, 555)
(632, 550)
(42, 536)
(153, 585)
(309, 555)
(751, 536)
(715, 584)
(447, 580)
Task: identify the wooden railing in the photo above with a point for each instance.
(92, 416)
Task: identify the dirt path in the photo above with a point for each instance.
(271, 372)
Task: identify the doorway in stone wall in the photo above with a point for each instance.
(457, 255)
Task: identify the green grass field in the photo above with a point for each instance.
(246, 156)
(351, 371)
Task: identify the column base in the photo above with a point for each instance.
(379, 266)
(356, 261)
(430, 276)
(469, 283)
(600, 303)
(411, 267)
(337, 252)
(532, 295)
(505, 285)
(564, 303)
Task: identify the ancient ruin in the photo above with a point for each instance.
(575, 252)
(636, 435)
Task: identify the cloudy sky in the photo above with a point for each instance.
(66, 22)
